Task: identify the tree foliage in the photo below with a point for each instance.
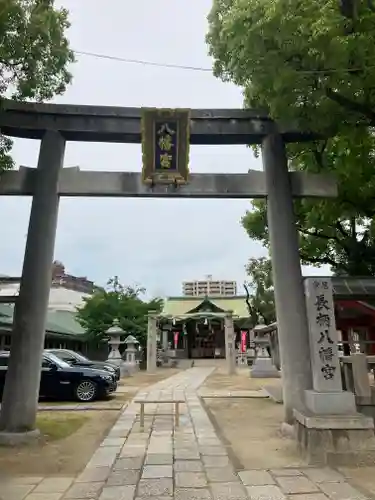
(34, 55)
(260, 291)
(117, 302)
(313, 67)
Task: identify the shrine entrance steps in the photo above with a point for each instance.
(201, 363)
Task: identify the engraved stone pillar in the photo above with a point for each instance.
(327, 396)
(20, 399)
(230, 351)
(151, 343)
(289, 295)
(329, 431)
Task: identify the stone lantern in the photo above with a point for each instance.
(114, 333)
(261, 340)
(263, 366)
(130, 352)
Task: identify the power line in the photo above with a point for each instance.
(209, 70)
(142, 62)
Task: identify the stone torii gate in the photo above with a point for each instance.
(54, 125)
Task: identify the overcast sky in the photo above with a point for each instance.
(153, 242)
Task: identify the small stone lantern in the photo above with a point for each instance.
(114, 333)
(131, 343)
(131, 364)
(261, 341)
(263, 366)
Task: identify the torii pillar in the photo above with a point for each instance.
(151, 342)
(287, 276)
(230, 348)
(21, 392)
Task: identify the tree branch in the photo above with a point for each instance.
(316, 234)
(265, 319)
(247, 300)
(353, 106)
(319, 152)
(13, 65)
(318, 157)
(365, 237)
(318, 260)
(340, 228)
(368, 213)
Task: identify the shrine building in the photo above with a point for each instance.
(194, 326)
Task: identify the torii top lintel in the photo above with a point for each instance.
(117, 124)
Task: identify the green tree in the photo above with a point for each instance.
(117, 302)
(34, 55)
(312, 68)
(260, 291)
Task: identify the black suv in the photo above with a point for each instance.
(74, 358)
(60, 380)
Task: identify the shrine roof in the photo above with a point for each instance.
(62, 323)
(177, 306)
(352, 288)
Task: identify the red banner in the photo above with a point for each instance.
(243, 341)
(175, 339)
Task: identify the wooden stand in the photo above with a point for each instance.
(176, 403)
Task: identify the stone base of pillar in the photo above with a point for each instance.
(264, 368)
(335, 440)
(330, 403)
(19, 438)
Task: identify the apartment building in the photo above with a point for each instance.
(209, 287)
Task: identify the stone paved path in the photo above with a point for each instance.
(164, 463)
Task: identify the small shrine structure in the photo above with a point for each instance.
(195, 326)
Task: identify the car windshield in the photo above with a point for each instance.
(79, 356)
(59, 362)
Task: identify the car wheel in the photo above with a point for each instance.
(86, 391)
